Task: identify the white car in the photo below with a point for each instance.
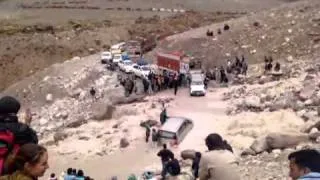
(197, 88)
(106, 57)
(126, 66)
(141, 71)
(117, 58)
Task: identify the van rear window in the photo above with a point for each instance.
(166, 134)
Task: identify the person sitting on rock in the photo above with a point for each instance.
(173, 166)
(223, 76)
(209, 33)
(244, 66)
(219, 162)
(93, 92)
(219, 31)
(304, 164)
(266, 62)
(277, 67)
(270, 63)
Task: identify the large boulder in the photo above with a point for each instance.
(259, 145)
(59, 136)
(252, 102)
(282, 141)
(188, 154)
(103, 111)
(307, 91)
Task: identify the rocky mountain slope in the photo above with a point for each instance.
(287, 33)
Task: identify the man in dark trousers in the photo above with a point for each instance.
(195, 165)
(147, 133)
(154, 137)
(175, 84)
(244, 66)
(163, 115)
(165, 155)
(173, 167)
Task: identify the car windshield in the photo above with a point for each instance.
(117, 56)
(196, 83)
(127, 62)
(144, 68)
(166, 134)
(106, 54)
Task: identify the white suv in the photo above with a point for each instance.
(197, 88)
(106, 57)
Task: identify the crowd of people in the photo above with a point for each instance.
(219, 162)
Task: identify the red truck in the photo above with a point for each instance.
(175, 61)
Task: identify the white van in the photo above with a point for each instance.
(197, 87)
(174, 129)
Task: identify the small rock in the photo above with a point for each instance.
(64, 114)
(301, 113)
(308, 102)
(49, 98)
(43, 121)
(290, 58)
(276, 151)
(91, 50)
(124, 143)
(76, 58)
(85, 138)
(314, 130)
(252, 101)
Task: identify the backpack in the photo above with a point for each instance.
(7, 147)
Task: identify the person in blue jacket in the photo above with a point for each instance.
(304, 165)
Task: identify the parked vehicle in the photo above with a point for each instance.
(119, 46)
(115, 51)
(106, 57)
(126, 66)
(174, 62)
(117, 58)
(197, 86)
(141, 71)
(175, 129)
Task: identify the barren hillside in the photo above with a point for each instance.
(32, 40)
(286, 33)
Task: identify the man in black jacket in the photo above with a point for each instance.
(13, 134)
(9, 108)
(165, 155)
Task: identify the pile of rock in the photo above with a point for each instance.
(300, 94)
